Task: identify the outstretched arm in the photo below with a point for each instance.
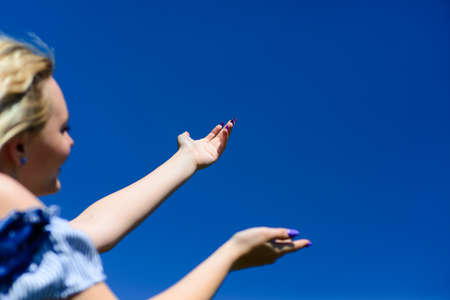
(111, 218)
(253, 247)
(249, 248)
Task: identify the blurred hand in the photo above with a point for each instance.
(207, 150)
(263, 245)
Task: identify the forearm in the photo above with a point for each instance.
(203, 282)
(109, 219)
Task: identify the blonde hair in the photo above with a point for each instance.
(22, 107)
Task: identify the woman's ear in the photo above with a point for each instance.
(15, 150)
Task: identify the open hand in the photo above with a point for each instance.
(207, 150)
(263, 245)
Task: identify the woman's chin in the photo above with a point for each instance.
(53, 188)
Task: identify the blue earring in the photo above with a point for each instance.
(23, 160)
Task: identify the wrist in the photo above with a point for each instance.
(186, 160)
(232, 251)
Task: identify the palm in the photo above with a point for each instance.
(207, 150)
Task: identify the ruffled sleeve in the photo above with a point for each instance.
(43, 257)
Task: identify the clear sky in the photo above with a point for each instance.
(342, 132)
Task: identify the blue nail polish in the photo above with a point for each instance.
(292, 233)
(309, 244)
(221, 124)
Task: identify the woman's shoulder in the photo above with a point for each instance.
(42, 256)
(14, 196)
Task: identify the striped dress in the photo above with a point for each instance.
(43, 257)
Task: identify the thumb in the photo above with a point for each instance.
(183, 137)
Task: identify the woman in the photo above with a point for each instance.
(45, 257)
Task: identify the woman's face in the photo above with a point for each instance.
(48, 150)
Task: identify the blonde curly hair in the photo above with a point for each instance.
(22, 107)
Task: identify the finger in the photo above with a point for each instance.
(288, 240)
(283, 247)
(277, 233)
(297, 245)
(220, 141)
(230, 125)
(233, 121)
(214, 132)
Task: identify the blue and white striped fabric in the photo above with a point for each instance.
(64, 263)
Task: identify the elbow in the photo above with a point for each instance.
(105, 247)
(102, 241)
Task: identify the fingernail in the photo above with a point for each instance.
(309, 244)
(221, 124)
(292, 233)
(233, 121)
(226, 127)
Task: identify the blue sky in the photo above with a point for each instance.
(342, 132)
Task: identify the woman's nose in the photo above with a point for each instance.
(71, 141)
